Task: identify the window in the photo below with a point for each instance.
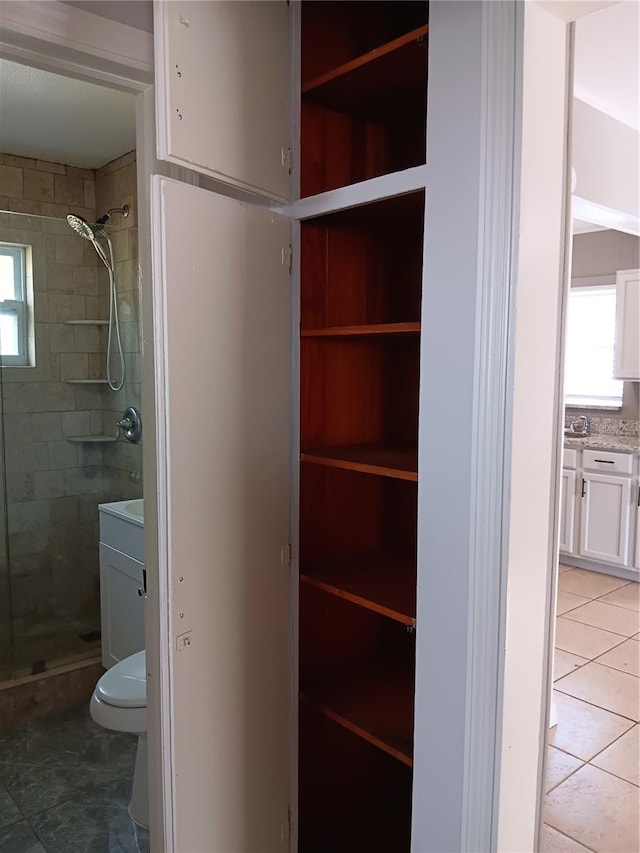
(591, 329)
(13, 305)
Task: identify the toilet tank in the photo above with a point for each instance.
(122, 581)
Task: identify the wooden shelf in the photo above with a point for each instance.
(399, 463)
(387, 82)
(86, 322)
(383, 583)
(363, 330)
(376, 706)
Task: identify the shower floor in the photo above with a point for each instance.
(48, 645)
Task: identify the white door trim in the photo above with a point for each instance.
(59, 38)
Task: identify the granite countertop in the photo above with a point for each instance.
(605, 441)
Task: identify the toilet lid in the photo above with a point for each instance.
(125, 684)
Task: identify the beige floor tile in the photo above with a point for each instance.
(618, 620)
(605, 687)
(625, 657)
(584, 640)
(559, 765)
(562, 568)
(584, 730)
(596, 809)
(568, 601)
(626, 596)
(565, 662)
(589, 584)
(622, 758)
(552, 841)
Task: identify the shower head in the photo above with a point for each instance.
(81, 226)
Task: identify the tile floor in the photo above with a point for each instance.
(592, 787)
(64, 788)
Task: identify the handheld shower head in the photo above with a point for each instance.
(81, 226)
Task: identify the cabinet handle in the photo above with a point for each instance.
(606, 461)
(584, 486)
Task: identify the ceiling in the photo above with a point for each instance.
(38, 110)
(607, 62)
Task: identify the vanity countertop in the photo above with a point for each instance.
(623, 443)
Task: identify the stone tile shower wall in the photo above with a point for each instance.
(115, 187)
(53, 485)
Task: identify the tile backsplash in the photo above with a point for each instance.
(609, 426)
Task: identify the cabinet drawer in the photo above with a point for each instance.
(569, 458)
(122, 535)
(605, 461)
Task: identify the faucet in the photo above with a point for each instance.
(582, 422)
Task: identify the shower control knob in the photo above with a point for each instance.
(131, 424)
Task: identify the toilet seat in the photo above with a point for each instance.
(119, 701)
(125, 684)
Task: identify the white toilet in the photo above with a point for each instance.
(119, 703)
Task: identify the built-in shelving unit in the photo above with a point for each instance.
(364, 74)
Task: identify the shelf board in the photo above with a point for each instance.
(364, 330)
(91, 439)
(398, 463)
(376, 706)
(383, 583)
(86, 322)
(388, 81)
(87, 381)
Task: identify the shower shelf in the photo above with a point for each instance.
(87, 381)
(86, 322)
(91, 439)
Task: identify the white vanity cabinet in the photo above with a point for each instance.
(627, 346)
(122, 580)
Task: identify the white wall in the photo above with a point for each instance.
(603, 253)
(534, 470)
(605, 158)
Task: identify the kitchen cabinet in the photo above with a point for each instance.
(600, 509)
(605, 518)
(627, 344)
(567, 511)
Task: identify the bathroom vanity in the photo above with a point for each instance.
(122, 579)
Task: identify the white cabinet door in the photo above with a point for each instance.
(223, 413)
(121, 605)
(605, 517)
(627, 347)
(223, 78)
(637, 559)
(567, 511)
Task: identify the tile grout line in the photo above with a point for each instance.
(599, 707)
(571, 838)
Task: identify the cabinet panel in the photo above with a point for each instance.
(605, 517)
(627, 347)
(223, 82)
(567, 511)
(222, 348)
(121, 605)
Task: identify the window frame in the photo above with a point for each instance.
(604, 282)
(19, 253)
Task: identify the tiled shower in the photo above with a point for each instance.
(59, 455)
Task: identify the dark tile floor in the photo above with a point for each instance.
(64, 788)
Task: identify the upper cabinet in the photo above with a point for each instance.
(364, 92)
(223, 82)
(627, 349)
